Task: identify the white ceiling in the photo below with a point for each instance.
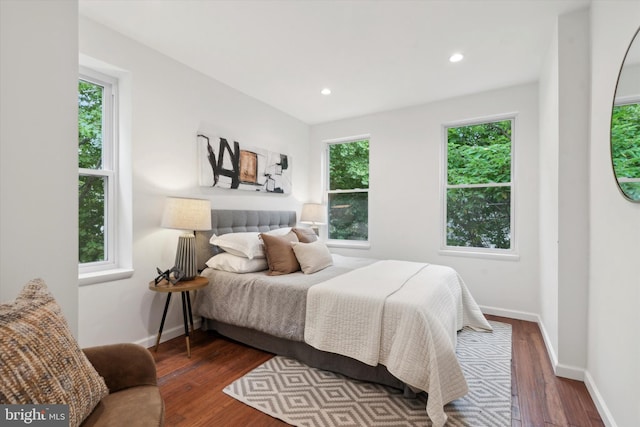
(374, 55)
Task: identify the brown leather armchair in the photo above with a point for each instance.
(134, 398)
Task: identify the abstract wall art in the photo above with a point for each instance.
(225, 163)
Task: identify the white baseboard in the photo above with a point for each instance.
(553, 356)
(512, 314)
(571, 372)
(167, 334)
(603, 410)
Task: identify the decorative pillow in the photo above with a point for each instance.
(246, 244)
(40, 361)
(280, 256)
(306, 235)
(237, 264)
(313, 256)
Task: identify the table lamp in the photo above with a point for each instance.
(314, 214)
(189, 215)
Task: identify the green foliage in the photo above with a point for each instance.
(349, 165)
(349, 170)
(348, 216)
(479, 154)
(631, 189)
(625, 146)
(89, 125)
(91, 189)
(91, 230)
(480, 216)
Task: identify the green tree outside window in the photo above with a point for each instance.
(349, 190)
(478, 185)
(91, 188)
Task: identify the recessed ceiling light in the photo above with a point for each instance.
(326, 91)
(456, 57)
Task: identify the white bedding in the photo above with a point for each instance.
(400, 314)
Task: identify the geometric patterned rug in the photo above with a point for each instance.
(304, 396)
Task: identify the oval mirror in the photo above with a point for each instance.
(625, 124)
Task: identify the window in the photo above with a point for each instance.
(478, 196)
(625, 146)
(97, 171)
(348, 189)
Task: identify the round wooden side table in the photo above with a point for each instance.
(184, 287)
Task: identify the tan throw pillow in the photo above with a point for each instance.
(314, 256)
(305, 235)
(280, 256)
(40, 360)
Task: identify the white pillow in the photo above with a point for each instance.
(313, 256)
(237, 264)
(246, 244)
(279, 231)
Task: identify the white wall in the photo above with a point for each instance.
(549, 173)
(573, 217)
(404, 198)
(38, 149)
(614, 289)
(564, 237)
(169, 104)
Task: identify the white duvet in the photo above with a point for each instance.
(403, 315)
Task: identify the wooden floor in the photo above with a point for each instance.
(192, 388)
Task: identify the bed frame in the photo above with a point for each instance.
(230, 221)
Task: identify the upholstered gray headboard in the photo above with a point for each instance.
(235, 221)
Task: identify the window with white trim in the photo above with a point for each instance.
(478, 188)
(97, 171)
(348, 189)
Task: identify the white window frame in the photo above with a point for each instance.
(112, 267)
(357, 244)
(478, 252)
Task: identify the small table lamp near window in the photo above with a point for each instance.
(314, 214)
(189, 215)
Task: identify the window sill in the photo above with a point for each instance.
(104, 276)
(478, 254)
(352, 244)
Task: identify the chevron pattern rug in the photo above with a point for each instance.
(303, 396)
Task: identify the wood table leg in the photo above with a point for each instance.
(164, 316)
(186, 323)
(190, 314)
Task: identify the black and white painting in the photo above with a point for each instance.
(226, 163)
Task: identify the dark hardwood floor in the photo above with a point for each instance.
(192, 388)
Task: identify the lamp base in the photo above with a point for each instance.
(186, 256)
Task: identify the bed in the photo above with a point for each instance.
(386, 321)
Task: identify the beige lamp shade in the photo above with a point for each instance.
(187, 214)
(313, 213)
(191, 215)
